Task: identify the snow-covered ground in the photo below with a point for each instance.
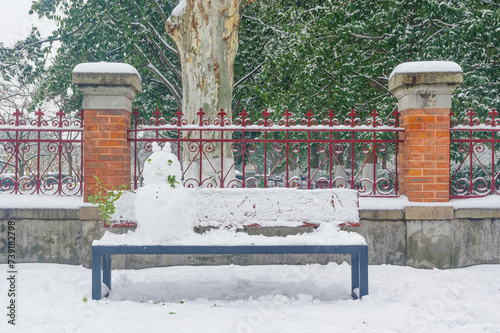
(311, 298)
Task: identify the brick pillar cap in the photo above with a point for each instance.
(425, 73)
(107, 74)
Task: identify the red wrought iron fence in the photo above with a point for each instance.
(475, 155)
(305, 153)
(40, 156)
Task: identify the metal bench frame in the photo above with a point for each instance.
(101, 255)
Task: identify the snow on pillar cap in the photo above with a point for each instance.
(425, 73)
(107, 86)
(425, 84)
(427, 67)
(107, 74)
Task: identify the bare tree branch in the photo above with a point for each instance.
(325, 37)
(171, 86)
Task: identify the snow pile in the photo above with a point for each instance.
(263, 299)
(124, 208)
(426, 67)
(163, 206)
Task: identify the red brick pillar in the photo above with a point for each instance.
(423, 90)
(108, 90)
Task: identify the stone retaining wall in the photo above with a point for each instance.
(422, 237)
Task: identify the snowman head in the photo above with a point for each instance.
(162, 167)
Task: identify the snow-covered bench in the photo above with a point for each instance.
(220, 212)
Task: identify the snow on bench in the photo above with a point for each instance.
(167, 213)
(271, 207)
(275, 207)
(223, 211)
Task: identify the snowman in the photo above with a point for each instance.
(163, 205)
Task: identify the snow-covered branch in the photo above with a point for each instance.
(172, 87)
(369, 37)
(165, 60)
(264, 24)
(163, 41)
(490, 3)
(153, 30)
(249, 74)
(53, 39)
(160, 11)
(378, 84)
(315, 9)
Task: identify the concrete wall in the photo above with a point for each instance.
(420, 237)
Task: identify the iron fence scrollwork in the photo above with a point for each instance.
(304, 153)
(40, 155)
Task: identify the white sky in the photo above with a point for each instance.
(16, 23)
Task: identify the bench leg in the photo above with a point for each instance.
(354, 274)
(106, 271)
(363, 273)
(96, 275)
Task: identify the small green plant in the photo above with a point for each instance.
(172, 312)
(85, 299)
(171, 180)
(105, 199)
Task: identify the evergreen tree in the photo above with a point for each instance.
(336, 54)
(293, 54)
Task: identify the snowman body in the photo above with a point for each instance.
(163, 206)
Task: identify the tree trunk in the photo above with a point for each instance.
(206, 35)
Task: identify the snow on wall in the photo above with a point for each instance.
(9, 201)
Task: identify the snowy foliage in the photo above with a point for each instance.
(299, 55)
(335, 54)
